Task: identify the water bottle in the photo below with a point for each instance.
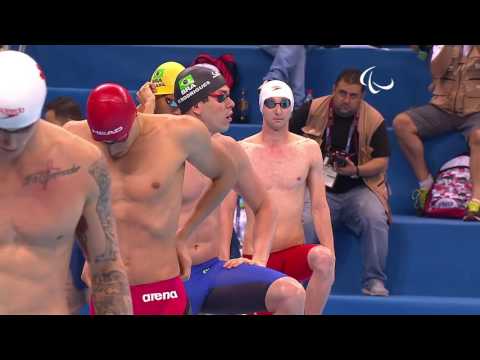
(243, 108)
(240, 221)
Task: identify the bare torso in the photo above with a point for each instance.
(42, 195)
(205, 241)
(283, 169)
(146, 199)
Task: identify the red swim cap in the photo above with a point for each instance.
(110, 112)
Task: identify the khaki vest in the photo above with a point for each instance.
(458, 89)
(369, 120)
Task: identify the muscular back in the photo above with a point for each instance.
(42, 195)
(146, 196)
(283, 169)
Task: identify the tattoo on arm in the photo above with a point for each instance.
(111, 294)
(98, 170)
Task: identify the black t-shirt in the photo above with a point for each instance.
(339, 133)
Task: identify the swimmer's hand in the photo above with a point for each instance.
(232, 263)
(184, 258)
(86, 275)
(146, 98)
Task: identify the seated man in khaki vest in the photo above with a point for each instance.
(354, 143)
(455, 106)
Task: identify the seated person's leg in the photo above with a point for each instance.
(368, 220)
(286, 59)
(411, 128)
(315, 264)
(250, 288)
(471, 131)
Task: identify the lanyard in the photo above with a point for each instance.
(328, 141)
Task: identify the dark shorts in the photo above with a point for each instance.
(214, 289)
(431, 121)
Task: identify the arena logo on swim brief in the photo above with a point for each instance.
(373, 87)
(186, 84)
(166, 295)
(109, 132)
(6, 113)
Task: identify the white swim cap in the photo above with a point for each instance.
(22, 90)
(275, 88)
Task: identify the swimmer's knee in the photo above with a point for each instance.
(321, 261)
(287, 288)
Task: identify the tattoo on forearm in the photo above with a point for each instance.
(51, 173)
(98, 170)
(81, 232)
(111, 293)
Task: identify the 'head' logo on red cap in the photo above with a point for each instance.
(110, 112)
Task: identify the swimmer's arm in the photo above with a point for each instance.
(99, 242)
(320, 209)
(256, 197)
(227, 210)
(146, 98)
(212, 162)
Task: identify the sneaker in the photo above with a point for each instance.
(473, 211)
(375, 287)
(419, 198)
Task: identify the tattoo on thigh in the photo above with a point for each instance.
(98, 170)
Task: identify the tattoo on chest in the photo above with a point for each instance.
(50, 173)
(99, 172)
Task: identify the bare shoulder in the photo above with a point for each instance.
(79, 128)
(253, 139)
(178, 126)
(307, 148)
(189, 124)
(226, 142)
(69, 145)
(231, 146)
(303, 141)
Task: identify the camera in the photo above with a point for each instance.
(338, 158)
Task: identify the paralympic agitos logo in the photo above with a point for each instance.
(373, 87)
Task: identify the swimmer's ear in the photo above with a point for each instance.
(197, 109)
